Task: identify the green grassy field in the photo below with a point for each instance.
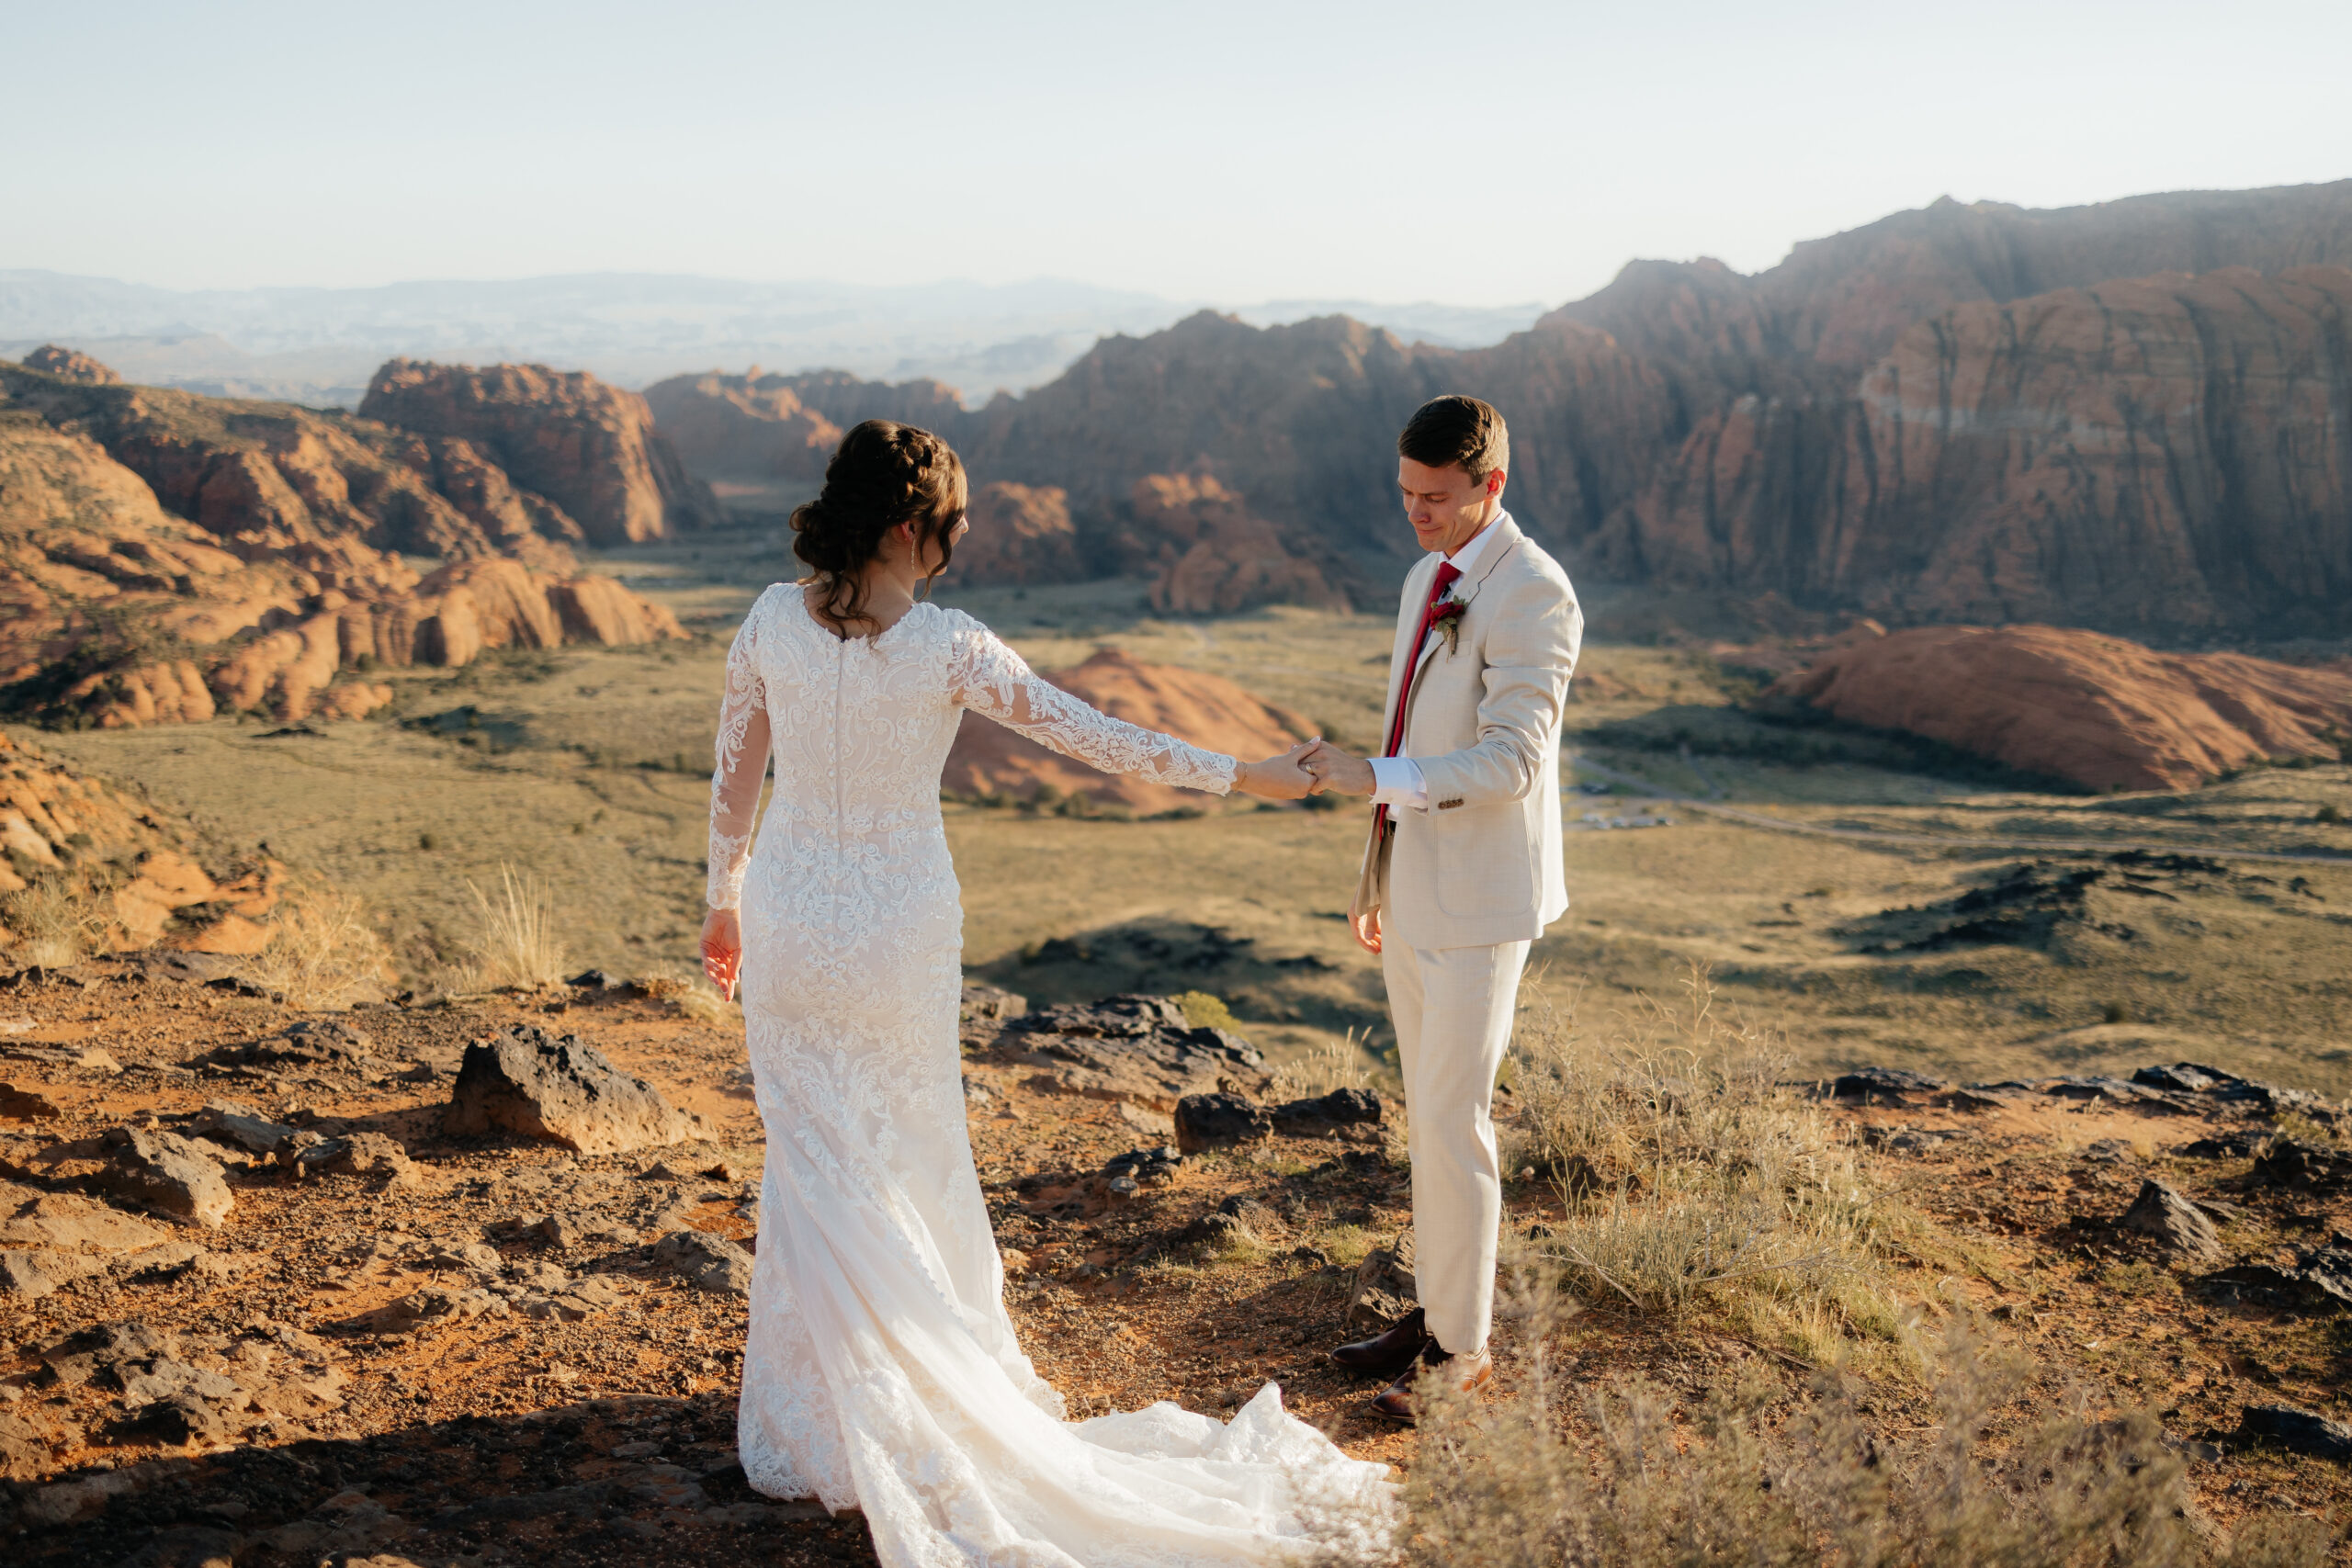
(589, 769)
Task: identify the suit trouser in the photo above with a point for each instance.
(1453, 1009)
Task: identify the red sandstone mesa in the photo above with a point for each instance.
(2101, 711)
(1207, 710)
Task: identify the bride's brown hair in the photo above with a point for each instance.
(883, 474)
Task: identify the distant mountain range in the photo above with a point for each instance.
(320, 345)
(2135, 415)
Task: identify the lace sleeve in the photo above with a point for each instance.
(989, 678)
(742, 765)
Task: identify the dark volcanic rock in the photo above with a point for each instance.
(165, 1173)
(1134, 1048)
(2178, 1224)
(2302, 1432)
(2319, 1281)
(1220, 1121)
(1341, 1107)
(2290, 1163)
(527, 1081)
(1884, 1083)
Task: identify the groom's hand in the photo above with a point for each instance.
(1335, 769)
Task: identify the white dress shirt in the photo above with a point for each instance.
(1396, 782)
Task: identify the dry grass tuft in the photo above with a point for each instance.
(516, 944)
(322, 953)
(1695, 1179)
(691, 995)
(1335, 1064)
(54, 924)
(1615, 1480)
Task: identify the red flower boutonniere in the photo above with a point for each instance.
(1446, 620)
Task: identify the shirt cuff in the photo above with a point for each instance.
(1396, 783)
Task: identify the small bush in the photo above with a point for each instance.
(516, 943)
(2329, 814)
(1203, 1010)
(53, 922)
(322, 953)
(1693, 1179)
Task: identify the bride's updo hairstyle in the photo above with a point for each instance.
(883, 474)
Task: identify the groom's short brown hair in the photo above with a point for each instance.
(1455, 429)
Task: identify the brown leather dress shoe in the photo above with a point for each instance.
(1386, 1354)
(1397, 1402)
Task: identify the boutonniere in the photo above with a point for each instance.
(1446, 620)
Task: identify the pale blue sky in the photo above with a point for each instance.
(1232, 152)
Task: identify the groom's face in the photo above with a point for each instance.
(1446, 506)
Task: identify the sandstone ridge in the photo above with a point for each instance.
(2100, 711)
(165, 557)
(586, 446)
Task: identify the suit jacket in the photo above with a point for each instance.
(1482, 865)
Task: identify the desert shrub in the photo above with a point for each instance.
(1204, 1010)
(515, 941)
(321, 952)
(54, 922)
(1694, 1178)
(1335, 1064)
(691, 995)
(1630, 1475)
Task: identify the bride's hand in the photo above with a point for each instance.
(1283, 777)
(722, 949)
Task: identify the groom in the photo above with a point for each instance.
(1461, 867)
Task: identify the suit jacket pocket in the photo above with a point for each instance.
(1485, 866)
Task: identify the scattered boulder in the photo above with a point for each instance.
(1322, 1114)
(2298, 1166)
(2299, 1431)
(528, 1082)
(1220, 1121)
(1384, 1289)
(165, 1173)
(26, 1104)
(2178, 1224)
(1134, 1048)
(226, 1123)
(1144, 1167)
(2321, 1279)
(374, 1156)
(709, 1262)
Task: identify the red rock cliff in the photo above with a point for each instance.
(590, 447)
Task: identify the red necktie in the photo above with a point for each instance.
(1447, 572)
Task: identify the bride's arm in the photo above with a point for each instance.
(742, 754)
(989, 678)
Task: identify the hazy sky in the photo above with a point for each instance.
(1469, 153)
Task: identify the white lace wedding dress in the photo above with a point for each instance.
(882, 1369)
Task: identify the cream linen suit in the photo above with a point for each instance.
(1465, 884)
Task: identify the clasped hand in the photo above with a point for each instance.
(1311, 767)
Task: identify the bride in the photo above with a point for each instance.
(882, 1369)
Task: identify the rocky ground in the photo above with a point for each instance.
(292, 1288)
